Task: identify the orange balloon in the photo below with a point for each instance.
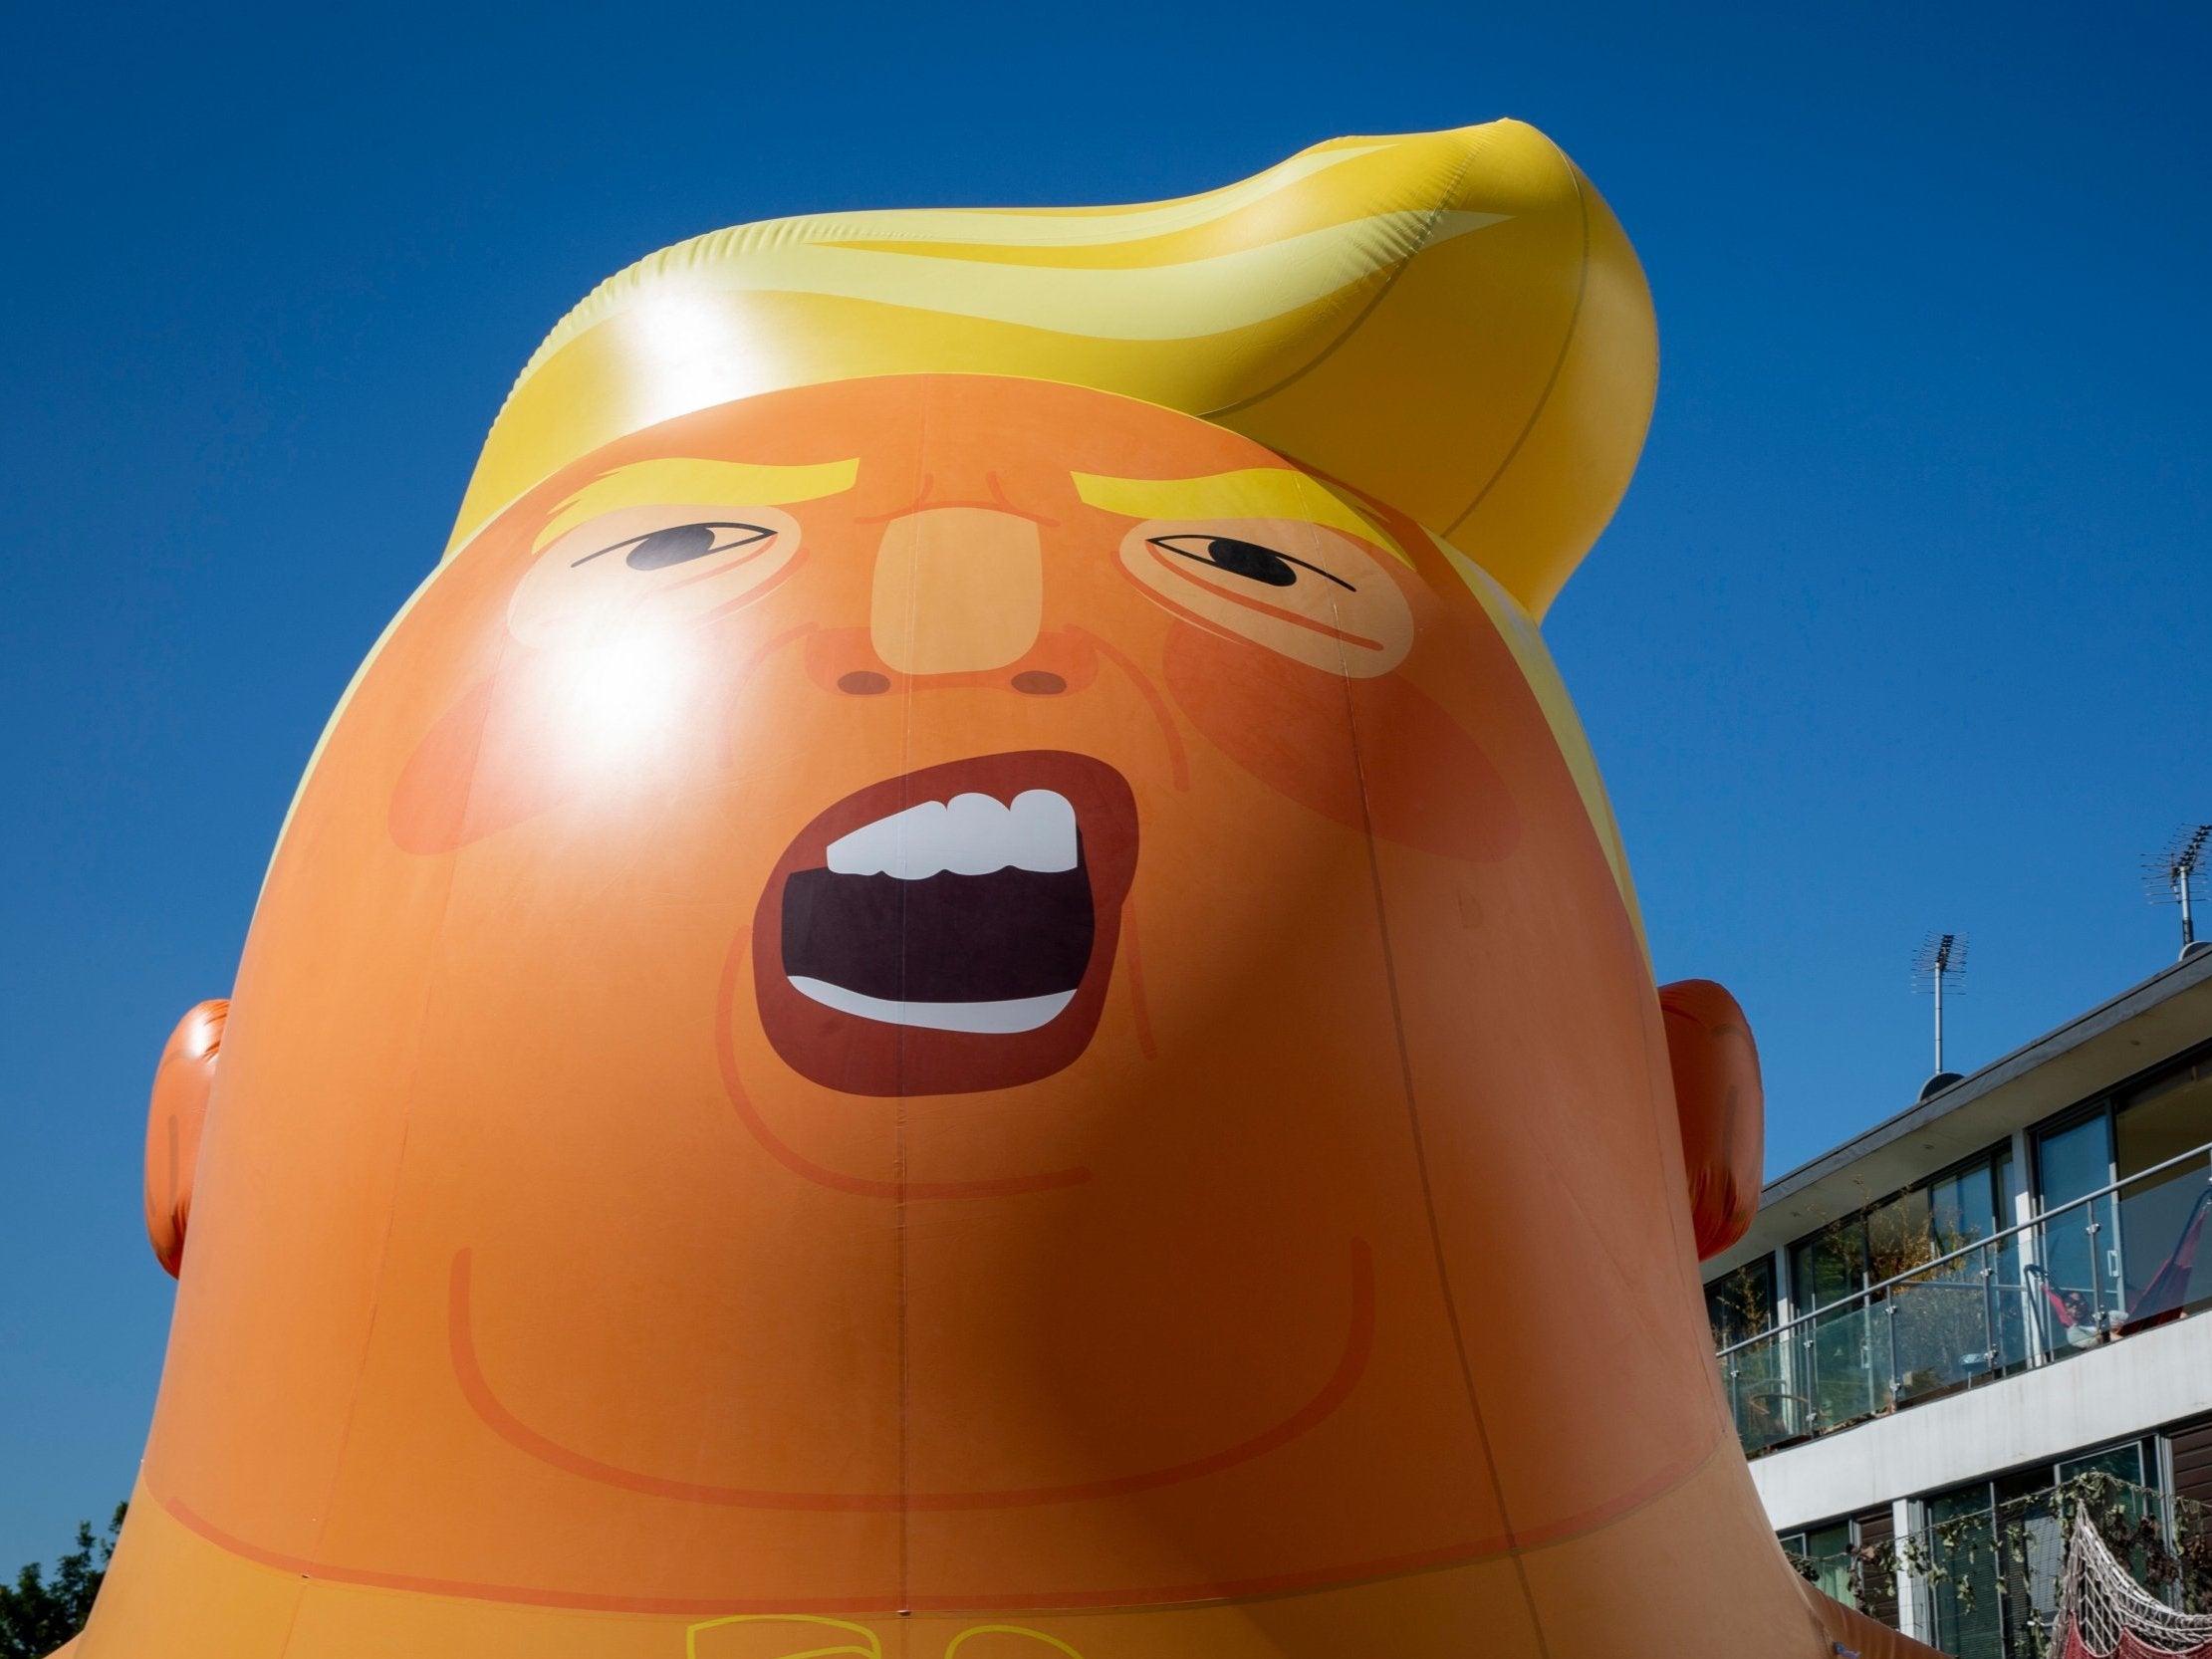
(951, 1015)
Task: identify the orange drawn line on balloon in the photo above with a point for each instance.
(725, 1054)
(1254, 1589)
(1276, 612)
(1177, 760)
(1351, 1363)
(1274, 1586)
(303, 1567)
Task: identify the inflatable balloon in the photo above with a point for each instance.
(960, 989)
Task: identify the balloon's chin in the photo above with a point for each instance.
(950, 931)
(1334, 1381)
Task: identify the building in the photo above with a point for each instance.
(1931, 1326)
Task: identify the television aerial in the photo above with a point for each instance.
(2170, 877)
(1939, 965)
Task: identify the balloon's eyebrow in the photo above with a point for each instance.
(685, 481)
(1252, 493)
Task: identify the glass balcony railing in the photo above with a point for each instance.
(2109, 1264)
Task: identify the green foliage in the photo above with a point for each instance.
(37, 1613)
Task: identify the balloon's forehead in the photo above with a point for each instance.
(897, 434)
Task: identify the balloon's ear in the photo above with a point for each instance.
(181, 1085)
(1720, 1105)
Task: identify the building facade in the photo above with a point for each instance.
(1931, 1328)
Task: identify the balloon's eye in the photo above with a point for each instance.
(679, 544)
(1246, 559)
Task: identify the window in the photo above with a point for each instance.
(2077, 1244)
(2126, 1257)
(1838, 1373)
(1996, 1545)
(1741, 1308)
(1830, 1267)
(1824, 1555)
(1740, 1304)
(1942, 1215)
(1835, 1559)
(1928, 1331)
(2160, 1127)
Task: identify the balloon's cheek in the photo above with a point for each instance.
(1365, 753)
(485, 766)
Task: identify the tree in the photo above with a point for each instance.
(38, 1614)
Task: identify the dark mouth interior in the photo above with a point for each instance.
(943, 938)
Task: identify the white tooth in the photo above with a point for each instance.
(889, 845)
(1016, 1014)
(1044, 826)
(973, 834)
(972, 838)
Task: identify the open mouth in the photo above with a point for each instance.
(948, 931)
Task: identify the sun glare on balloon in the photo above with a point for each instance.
(700, 350)
(622, 702)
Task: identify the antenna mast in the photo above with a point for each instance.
(2170, 877)
(1939, 965)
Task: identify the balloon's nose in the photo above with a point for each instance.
(957, 589)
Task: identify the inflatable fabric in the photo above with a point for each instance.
(960, 989)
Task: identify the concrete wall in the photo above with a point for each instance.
(2110, 1393)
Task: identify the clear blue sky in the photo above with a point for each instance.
(1902, 626)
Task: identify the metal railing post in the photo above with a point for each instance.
(1988, 1317)
(1811, 1379)
(2096, 1269)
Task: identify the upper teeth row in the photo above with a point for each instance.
(970, 834)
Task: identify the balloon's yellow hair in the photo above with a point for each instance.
(1451, 322)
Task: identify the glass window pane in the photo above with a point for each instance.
(1830, 1265)
(1900, 1235)
(1951, 1324)
(2122, 1463)
(2165, 1117)
(2075, 1160)
(1967, 1500)
(2079, 1242)
(1741, 1308)
(2163, 1219)
(1841, 1365)
(1963, 1206)
(1740, 1304)
(1968, 1619)
(2126, 1466)
(1828, 1548)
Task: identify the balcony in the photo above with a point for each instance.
(2094, 1271)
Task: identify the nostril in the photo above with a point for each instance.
(1037, 683)
(863, 682)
